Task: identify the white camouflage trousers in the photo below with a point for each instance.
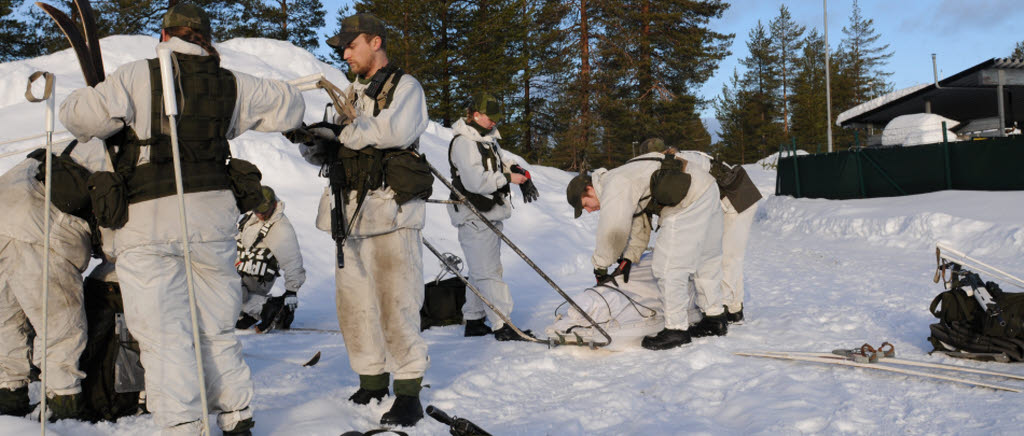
(689, 243)
(380, 293)
(482, 250)
(21, 303)
(734, 248)
(155, 292)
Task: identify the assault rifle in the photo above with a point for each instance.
(339, 228)
(457, 426)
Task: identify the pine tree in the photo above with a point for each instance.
(653, 56)
(808, 98)
(1018, 52)
(16, 41)
(863, 59)
(786, 43)
(574, 112)
(761, 81)
(528, 130)
(295, 21)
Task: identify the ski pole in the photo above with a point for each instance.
(476, 291)
(171, 108)
(978, 265)
(525, 258)
(48, 189)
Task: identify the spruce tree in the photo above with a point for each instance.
(786, 43)
(863, 59)
(1018, 52)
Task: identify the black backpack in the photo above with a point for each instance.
(107, 348)
(965, 326)
(442, 303)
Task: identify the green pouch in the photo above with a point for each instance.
(245, 184)
(669, 183)
(109, 196)
(408, 174)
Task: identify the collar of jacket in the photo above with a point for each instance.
(179, 45)
(597, 180)
(462, 128)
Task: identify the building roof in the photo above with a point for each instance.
(967, 95)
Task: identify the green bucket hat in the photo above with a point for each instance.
(188, 15)
(487, 105)
(353, 25)
(574, 192)
(269, 200)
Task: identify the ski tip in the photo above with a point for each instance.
(314, 360)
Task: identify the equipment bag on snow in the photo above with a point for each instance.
(110, 360)
(442, 303)
(964, 325)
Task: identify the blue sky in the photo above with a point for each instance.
(961, 33)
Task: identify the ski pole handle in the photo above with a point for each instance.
(167, 80)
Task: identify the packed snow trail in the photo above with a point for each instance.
(820, 275)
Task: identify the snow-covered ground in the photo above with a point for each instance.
(820, 274)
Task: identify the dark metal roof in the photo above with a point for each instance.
(967, 95)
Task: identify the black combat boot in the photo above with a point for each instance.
(245, 321)
(242, 428)
(666, 339)
(406, 412)
(734, 317)
(65, 407)
(717, 325)
(476, 327)
(362, 397)
(506, 333)
(14, 402)
(371, 387)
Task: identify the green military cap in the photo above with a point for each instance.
(188, 15)
(353, 25)
(269, 200)
(487, 105)
(653, 144)
(574, 192)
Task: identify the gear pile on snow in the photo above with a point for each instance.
(977, 319)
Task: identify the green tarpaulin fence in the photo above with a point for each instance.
(985, 165)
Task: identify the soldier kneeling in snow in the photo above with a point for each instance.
(267, 246)
(686, 200)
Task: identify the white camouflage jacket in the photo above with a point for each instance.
(622, 229)
(475, 177)
(281, 241)
(124, 97)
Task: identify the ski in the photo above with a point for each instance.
(841, 361)
(895, 361)
(306, 363)
(981, 357)
(78, 42)
(89, 30)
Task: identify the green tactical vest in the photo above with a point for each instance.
(206, 102)
(371, 168)
(490, 159)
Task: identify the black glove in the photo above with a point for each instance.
(601, 274)
(326, 130)
(299, 135)
(528, 189)
(623, 268)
